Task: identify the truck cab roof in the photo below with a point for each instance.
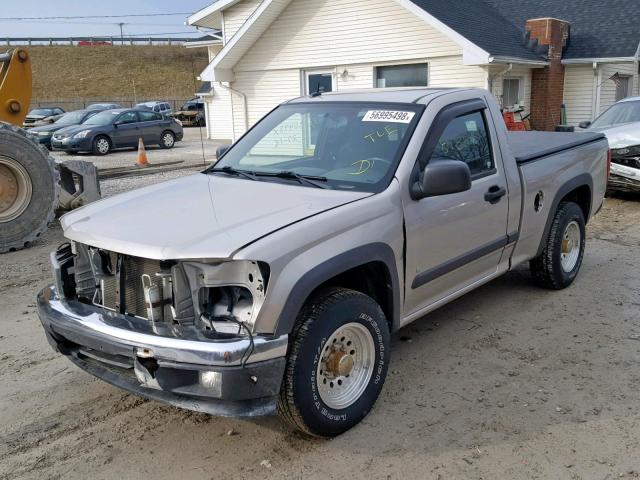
(387, 95)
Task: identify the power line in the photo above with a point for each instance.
(97, 16)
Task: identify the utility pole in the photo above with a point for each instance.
(121, 24)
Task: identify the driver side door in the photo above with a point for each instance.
(457, 240)
(126, 130)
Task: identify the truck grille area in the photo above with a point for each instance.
(117, 282)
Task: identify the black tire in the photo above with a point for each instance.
(300, 402)
(547, 269)
(167, 139)
(22, 151)
(101, 145)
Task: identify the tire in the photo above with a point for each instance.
(101, 145)
(29, 188)
(560, 261)
(359, 329)
(167, 139)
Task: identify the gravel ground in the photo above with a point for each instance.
(508, 382)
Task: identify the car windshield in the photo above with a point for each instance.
(103, 118)
(42, 111)
(349, 146)
(71, 118)
(617, 114)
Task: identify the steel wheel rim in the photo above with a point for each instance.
(103, 145)
(168, 140)
(16, 189)
(346, 365)
(570, 248)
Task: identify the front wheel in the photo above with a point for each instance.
(561, 258)
(101, 145)
(167, 139)
(337, 363)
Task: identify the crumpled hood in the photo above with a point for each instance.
(621, 136)
(199, 216)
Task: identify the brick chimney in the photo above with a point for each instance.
(547, 86)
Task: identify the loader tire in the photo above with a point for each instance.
(29, 188)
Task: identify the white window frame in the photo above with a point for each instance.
(521, 81)
(401, 64)
(325, 71)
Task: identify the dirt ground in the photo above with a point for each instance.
(509, 382)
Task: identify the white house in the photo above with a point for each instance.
(274, 50)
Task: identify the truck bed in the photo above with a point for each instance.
(530, 146)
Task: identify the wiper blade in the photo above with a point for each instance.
(236, 172)
(305, 179)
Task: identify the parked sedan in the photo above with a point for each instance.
(103, 106)
(45, 132)
(111, 129)
(38, 114)
(621, 124)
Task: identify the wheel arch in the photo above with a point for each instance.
(370, 269)
(578, 190)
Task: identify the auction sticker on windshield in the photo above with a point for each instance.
(393, 116)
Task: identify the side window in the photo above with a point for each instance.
(147, 116)
(129, 117)
(466, 138)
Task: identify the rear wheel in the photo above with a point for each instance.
(28, 189)
(167, 139)
(337, 364)
(558, 265)
(101, 145)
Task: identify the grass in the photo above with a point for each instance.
(116, 72)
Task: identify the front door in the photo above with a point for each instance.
(127, 130)
(319, 81)
(456, 240)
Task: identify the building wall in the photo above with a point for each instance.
(498, 74)
(234, 17)
(219, 114)
(608, 87)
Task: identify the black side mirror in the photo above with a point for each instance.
(221, 150)
(442, 177)
(584, 124)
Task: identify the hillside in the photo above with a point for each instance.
(113, 72)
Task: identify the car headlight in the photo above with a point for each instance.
(82, 134)
(44, 134)
(227, 296)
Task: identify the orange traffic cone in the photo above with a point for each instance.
(142, 155)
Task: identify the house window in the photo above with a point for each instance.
(411, 75)
(623, 87)
(510, 92)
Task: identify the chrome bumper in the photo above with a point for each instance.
(165, 362)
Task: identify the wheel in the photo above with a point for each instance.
(28, 188)
(167, 139)
(101, 145)
(337, 363)
(558, 265)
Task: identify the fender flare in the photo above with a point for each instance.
(373, 252)
(582, 180)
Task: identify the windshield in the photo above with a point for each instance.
(103, 118)
(71, 118)
(617, 114)
(354, 146)
(42, 111)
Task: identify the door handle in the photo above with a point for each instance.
(494, 194)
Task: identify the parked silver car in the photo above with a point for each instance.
(621, 124)
(163, 108)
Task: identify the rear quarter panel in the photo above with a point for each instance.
(550, 175)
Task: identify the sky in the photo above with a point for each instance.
(96, 26)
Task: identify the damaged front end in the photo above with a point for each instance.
(625, 169)
(180, 332)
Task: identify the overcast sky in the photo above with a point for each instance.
(94, 26)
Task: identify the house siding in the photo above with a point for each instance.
(498, 75)
(234, 17)
(219, 111)
(608, 87)
(579, 92)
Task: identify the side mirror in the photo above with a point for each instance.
(584, 124)
(221, 150)
(442, 177)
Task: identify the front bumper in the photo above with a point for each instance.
(624, 178)
(175, 365)
(71, 144)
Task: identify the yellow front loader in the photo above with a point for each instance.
(33, 187)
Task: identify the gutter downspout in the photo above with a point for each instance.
(595, 103)
(244, 104)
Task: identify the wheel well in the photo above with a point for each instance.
(103, 135)
(372, 279)
(582, 197)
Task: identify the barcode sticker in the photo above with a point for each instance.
(393, 116)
